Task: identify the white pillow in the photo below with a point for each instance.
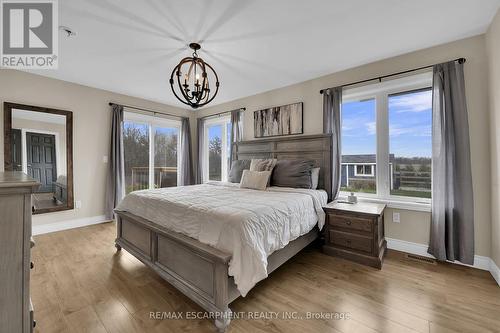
(256, 180)
(314, 178)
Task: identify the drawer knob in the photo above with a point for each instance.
(348, 241)
(348, 222)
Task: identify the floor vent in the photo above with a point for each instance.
(423, 259)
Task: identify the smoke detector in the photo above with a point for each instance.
(68, 31)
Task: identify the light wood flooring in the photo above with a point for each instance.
(81, 284)
(44, 200)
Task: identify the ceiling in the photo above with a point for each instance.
(131, 47)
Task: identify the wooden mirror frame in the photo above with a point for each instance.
(7, 112)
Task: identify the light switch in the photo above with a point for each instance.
(78, 204)
(396, 217)
(105, 159)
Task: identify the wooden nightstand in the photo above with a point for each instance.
(355, 232)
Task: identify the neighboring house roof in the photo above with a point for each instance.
(368, 158)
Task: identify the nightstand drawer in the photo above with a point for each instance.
(351, 223)
(351, 241)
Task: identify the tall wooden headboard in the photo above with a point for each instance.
(306, 147)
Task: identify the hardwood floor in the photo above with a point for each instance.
(44, 200)
(81, 284)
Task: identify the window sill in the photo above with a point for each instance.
(396, 204)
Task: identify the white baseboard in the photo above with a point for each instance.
(408, 247)
(480, 262)
(495, 271)
(69, 224)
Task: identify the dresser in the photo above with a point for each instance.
(16, 311)
(355, 232)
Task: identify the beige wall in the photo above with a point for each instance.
(91, 133)
(493, 48)
(414, 226)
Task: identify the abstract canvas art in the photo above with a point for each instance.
(280, 120)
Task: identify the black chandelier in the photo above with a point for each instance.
(194, 78)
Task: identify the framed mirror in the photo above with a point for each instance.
(39, 142)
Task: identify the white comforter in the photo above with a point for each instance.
(248, 224)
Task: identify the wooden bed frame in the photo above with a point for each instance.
(200, 271)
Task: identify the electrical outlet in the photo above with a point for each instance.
(396, 217)
(78, 204)
(105, 159)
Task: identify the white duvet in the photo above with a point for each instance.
(248, 224)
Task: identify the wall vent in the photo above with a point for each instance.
(423, 259)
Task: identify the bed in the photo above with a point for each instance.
(214, 266)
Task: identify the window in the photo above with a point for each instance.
(136, 155)
(165, 156)
(215, 152)
(410, 143)
(150, 152)
(359, 146)
(387, 139)
(217, 137)
(364, 170)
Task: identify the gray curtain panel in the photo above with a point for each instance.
(115, 187)
(235, 132)
(332, 104)
(201, 147)
(186, 165)
(452, 225)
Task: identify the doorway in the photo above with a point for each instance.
(41, 159)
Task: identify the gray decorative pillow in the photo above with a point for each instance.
(262, 164)
(314, 178)
(236, 171)
(293, 173)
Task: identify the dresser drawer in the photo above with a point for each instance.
(351, 241)
(350, 223)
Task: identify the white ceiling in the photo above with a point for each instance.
(130, 47)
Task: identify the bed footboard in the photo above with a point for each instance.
(197, 270)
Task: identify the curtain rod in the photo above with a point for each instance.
(147, 110)
(218, 114)
(380, 78)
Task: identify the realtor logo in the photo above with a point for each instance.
(29, 34)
